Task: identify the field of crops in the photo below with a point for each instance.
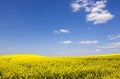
(41, 67)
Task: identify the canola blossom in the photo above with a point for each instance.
(76, 67)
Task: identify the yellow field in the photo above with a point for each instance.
(41, 67)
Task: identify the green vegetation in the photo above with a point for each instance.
(41, 67)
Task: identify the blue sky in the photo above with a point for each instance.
(59, 27)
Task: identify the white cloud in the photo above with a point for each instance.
(78, 4)
(64, 31)
(66, 42)
(96, 10)
(97, 50)
(76, 7)
(81, 42)
(111, 46)
(113, 37)
(98, 6)
(61, 31)
(99, 17)
(88, 42)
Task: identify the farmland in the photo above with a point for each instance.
(69, 67)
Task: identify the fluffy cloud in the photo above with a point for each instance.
(66, 42)
(99, 17)
(76, 7)
(113, 37)
(61, 31)
(89, 42)
(78, 4)
(96, 10)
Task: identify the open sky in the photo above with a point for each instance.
(59, 27)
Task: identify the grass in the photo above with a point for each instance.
(42, 67)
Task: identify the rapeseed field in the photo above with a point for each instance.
(76, 67)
